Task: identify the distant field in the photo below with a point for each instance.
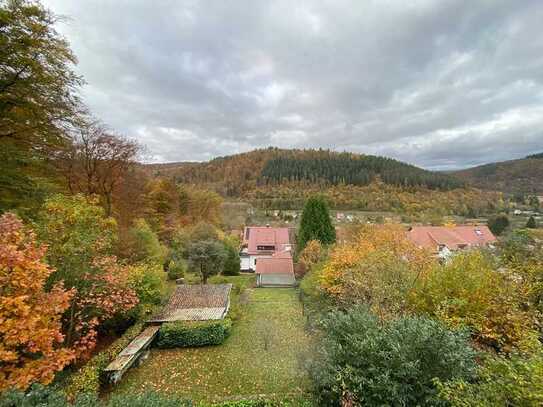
(240, 367)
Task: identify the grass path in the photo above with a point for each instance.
(239, 367)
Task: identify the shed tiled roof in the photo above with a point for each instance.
(197, 302)
(275, 265)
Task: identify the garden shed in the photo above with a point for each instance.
(276, 271)
(198, 302)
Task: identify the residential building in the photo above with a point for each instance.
(261, 242)
(445, 240)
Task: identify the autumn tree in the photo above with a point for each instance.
(206, 257)
(312, 254)
(204, 231)
(162, 205)
(38, 97)
(470, 292)
(200, 205)
(81, 240)
(379, 269)
(97, 161)
(30, 316)
(142, 244)
(315, 223)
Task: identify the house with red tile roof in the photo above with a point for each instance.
(263, 242)
(444, 240)
(267, 251)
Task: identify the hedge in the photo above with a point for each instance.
(91, 376)
(286, 402)
(193, 333)
(41, 396)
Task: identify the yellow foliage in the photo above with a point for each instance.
(312, 254)
(470, 292)
(379, 268)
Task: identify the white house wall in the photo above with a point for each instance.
(249, 262)
(245, 262)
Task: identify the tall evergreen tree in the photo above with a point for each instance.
(315, 223)
(531, 224)
(498, 224)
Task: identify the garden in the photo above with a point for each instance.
(262, 357)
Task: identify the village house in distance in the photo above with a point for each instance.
(267, 251)
(443, 241)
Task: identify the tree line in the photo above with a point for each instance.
(344, 168)
(86, 233)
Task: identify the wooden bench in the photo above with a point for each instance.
(131, 353)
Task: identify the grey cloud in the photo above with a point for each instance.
(440, 84)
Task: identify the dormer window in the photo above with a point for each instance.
(265, 247)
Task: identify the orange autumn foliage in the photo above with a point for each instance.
(379, 268)
(108, 293)
(30, 317)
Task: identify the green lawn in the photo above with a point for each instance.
(241, 366)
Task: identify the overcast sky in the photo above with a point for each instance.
(441, 84)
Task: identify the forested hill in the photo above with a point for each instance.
(233, 175)
(523, 176)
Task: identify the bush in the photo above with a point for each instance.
(232, 262)
(289, 402)
(148, 282)
(193, 333)
(91, 376)
(311, 255)
(363, 361)
(515, 381)
(40, 396)
(531, 224)
(176, 269)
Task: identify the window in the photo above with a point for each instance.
(265, 247)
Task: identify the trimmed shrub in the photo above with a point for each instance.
(193, 333)
(40, 396)
(91, 376)
(288, 402)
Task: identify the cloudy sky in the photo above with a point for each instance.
(442, 84)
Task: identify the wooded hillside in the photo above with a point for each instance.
(521, 176)
(236, 174)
